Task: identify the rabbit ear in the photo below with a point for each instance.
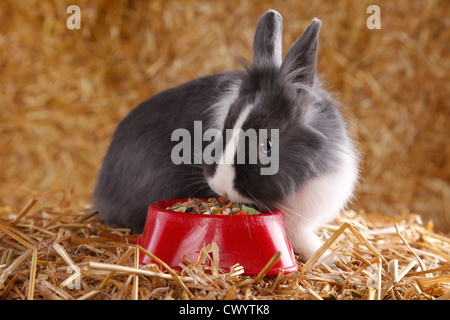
(300, 61)
(267, 48)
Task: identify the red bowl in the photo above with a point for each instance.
(250, 240)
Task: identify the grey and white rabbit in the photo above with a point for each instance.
(317, 164)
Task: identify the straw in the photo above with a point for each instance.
(169, 269)
(410, 249)
(63, 92)
(6, 273)
(24, 211)
(312, 261)
(123, 269)
(110, 270)
(268, 266)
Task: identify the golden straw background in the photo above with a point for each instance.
(63, 92)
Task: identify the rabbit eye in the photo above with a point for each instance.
(265, 146)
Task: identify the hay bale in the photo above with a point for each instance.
(64, 91)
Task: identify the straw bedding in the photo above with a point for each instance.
(63, 92)
(61, 252)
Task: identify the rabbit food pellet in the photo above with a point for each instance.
(220, 206)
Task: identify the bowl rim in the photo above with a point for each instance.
(157, 205)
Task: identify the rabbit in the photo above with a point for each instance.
(317, 161)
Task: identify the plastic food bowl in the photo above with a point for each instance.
(250, 240)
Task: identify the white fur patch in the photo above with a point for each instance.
(321, 199)
(318, 202)
(222, 182)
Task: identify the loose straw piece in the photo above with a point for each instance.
(230, 293)
(76, 276)
(13, 266)
(397, 280)
(136, 276)
(434, 280)
(124, 287)
(32, 275)
(393, 268)
(88, 295)
(379, 280)
(196, 278)
(117, 268)
(370, 246)
(316, 256)
(262, 273)
(16, 237)
(277, 280)
(62, 252)
(421, 273)
(212, 248)
(405, 270)
(24, 211)
(370, 293)
(422, 265)
(365, 265)
(124, 258)
(268, 266)
(169, 269)
(314, 294)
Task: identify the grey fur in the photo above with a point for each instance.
(267, 46)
